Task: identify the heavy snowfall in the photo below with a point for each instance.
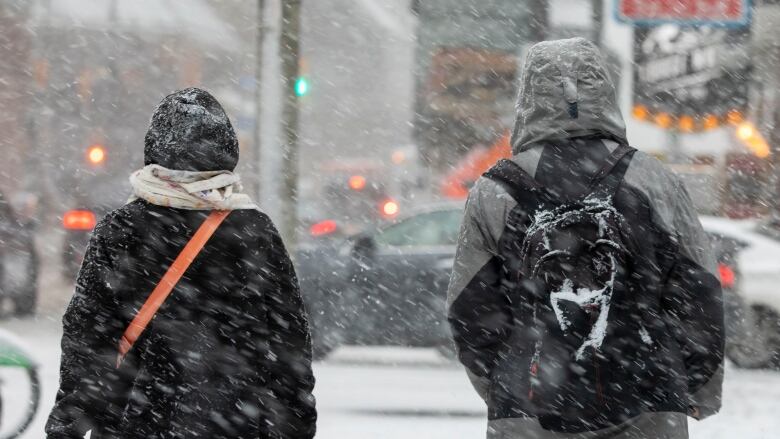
(389, 219)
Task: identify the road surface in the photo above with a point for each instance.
(394, 393)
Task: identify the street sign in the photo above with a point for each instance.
(691, 78)
(684, 12)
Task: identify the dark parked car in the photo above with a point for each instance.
(18, 261)
(387, 286)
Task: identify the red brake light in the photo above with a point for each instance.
(727, 276)
(390, 208)
(357, 182)
(323, 228)
(79, 220)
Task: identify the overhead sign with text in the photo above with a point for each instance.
(686, 12)
(697, 72)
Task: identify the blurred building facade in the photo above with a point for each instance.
(99, 69)
(15, 84)
(467, 63)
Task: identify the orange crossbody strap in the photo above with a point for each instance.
(168, 282)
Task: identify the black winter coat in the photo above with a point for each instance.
(228, 355)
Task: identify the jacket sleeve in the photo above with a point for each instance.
(88, 377)
(694, 301)
(290, 403)
(478, 311)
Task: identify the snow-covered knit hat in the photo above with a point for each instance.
(190, 131)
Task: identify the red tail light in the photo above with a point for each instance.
(727, 276)
(79, 220)
(323, 228)
(357, 182)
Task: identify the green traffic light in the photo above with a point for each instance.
(301, 86)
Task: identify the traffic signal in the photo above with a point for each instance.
(301, 86)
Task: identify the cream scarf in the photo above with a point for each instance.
(208, 190)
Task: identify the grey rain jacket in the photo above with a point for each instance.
(568, 122)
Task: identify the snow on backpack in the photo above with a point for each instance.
(570, 263)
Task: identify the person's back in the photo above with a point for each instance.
(228, 353)
(649, 348)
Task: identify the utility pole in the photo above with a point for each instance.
(765, 59)
(289, 48)
(538, 23)
(258, 135)
(598, 22)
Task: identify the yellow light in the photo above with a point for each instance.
(734, 117)
(758, 146)
(398, 157)
(640, 112)
(710, 122)
(686, 123)
(752, 138)
(96, 154)
(745, 131)
(664, 120)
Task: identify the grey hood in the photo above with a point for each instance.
(565, 91)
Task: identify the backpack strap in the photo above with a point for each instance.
(168, 282)
(608, 178)
(522, 186)
(519, 184)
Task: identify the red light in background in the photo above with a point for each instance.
(96, 154)
(357, 182)
(390, 208)
(727, 276)
(398, 157)
(323, 228)
(79, 220)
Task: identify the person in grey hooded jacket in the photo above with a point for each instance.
(568, 123)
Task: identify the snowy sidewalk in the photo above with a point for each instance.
(393, 393)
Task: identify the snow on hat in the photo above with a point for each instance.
(190, 131)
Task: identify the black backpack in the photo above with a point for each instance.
(570, 268)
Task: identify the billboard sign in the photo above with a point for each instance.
(698, 75)
(684, 12)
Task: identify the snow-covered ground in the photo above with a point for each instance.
(384, 393)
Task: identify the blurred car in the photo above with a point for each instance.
(387, 285)
(18, 261)
(754, 328)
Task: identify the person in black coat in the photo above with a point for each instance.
(228, 354)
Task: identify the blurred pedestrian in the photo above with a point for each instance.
(6, 235)
(584, 301)
(227, 353)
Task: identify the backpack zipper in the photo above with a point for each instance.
(534, 369)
